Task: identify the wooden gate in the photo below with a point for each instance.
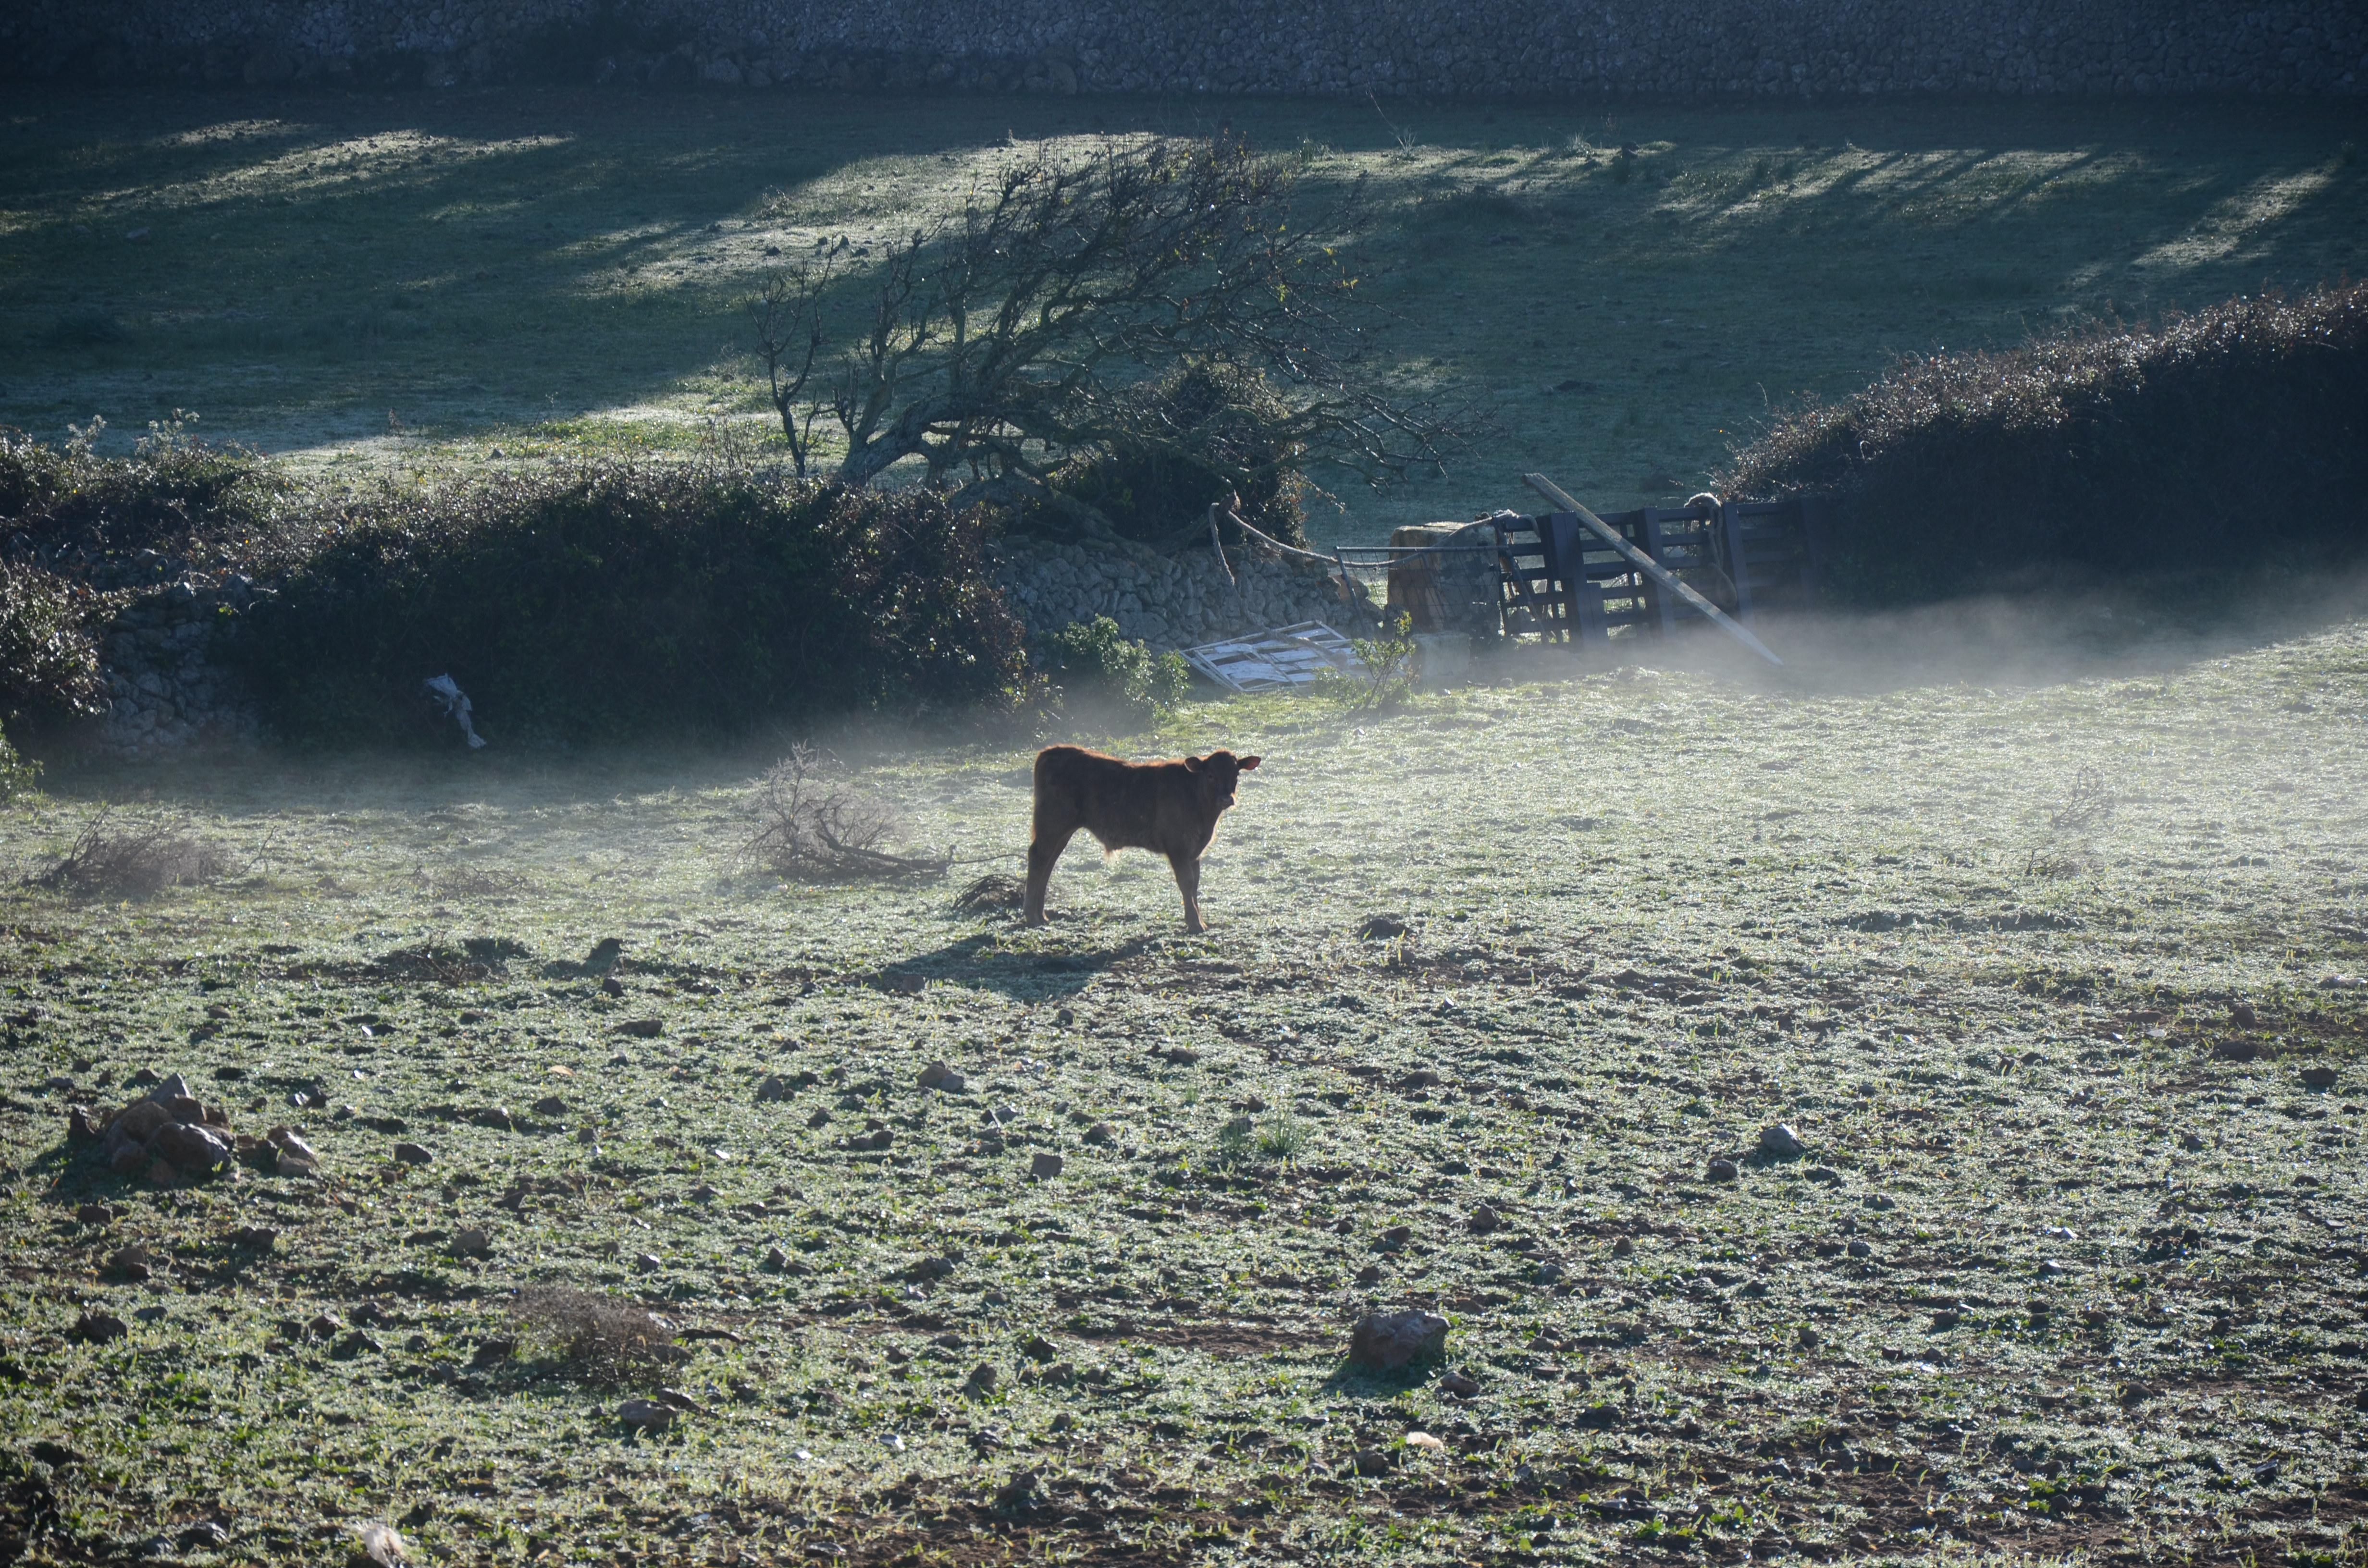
(1563, 584)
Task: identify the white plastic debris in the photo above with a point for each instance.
(446, 690)
(1272, 660)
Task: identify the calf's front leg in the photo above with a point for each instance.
(1042, 851)
(1187, 882)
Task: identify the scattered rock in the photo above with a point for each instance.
(2319, 1077)
(2048, 1269)
(1036, 1347)
(1781, 1143)
(413, 1154)
(1019, 1492)
(132, 1259)
(2241, 1013)
(1370, 1463)
(2236, 1051)
(1046, 1164)
(1826, 1174)
(1388, 1340)
(1723, 1170)
(354, 1343)
(776, 1259)
(1810, 1338)
(775, 1089)
(1381, 927)
(1425, 1442)
(1860, 1248)
(381, 1544)
(642, 1029)
(2190, 1141)
(97, 1328)
(550, 1104)
(291, 1155)
(254, 1238)
(1455, 1385)
(1397, 1236)
(1623, 1248)
(646, 1414)
(983, 1378)
(944, 1079)
(902, 983)
(474, 1241)
(1551, 1273)
(203, 1536)
(1484, 1221)
(1101, 1135)
(95, 1214)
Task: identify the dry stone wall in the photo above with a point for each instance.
(1502, 48)
(1168, 602)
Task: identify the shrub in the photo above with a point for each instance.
(618, 601)
(814, 824)
(69, 505)
(2195, 445)
(1100, 665)
(1217, 418)
(49, 660)
(136, 861)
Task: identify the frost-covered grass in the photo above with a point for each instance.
(1648, 915)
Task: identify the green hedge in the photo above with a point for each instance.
(624, 602)
(2202, 446)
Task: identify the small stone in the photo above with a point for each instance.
(472, 1242)
(494, 1351)
(1623, 1248)
(2190, 1141)
(2052, 1269)
(355, 1343)
(550, 1104)
(1810, 1338)
(1045, 1164)
(982, 1377)
(2241, 1013)
(776, 1259)
(1397, 1236)
(1826, 1174)
(820, 1119)
(203, 1536)
(189, 1147)
(1369, 1274)
(2236, 1051)
(1425, 1442)
(1551, 1273)
(2319, 1077)
(95, 1214)
(493, 1116)
(132, 1257)
(413, 1154)
(937, 1075)
(646, 1414)
(1455, 1385)
(1484, 1221)
(1370, 1463)
(774, 1089)
(1101, 1135)
(258, 1238)
(1390, 1340)
(1859, 1247)
(1781, 1141)
(1036, 1347)
(1723, 1170)
(97, 1328)
(1019, 1492)
(649, 1263)
(642, 1029)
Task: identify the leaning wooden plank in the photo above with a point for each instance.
(1647, 564)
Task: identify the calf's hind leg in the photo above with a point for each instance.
(1187, 882)
(1044, 848)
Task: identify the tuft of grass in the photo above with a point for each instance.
(601, 1338)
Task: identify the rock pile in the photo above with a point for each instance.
(168, 1136)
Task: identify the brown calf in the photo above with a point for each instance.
(1168, 808)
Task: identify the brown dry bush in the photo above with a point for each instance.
(136, 861)
(599, 1336)
(813, 825)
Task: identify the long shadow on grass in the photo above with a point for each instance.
(979, 960)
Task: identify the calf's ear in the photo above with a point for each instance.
(1248, 762)
(1191, 765)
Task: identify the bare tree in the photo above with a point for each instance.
(790, 338)
(1023, 332)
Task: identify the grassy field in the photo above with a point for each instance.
(2058, 1278)
(359, 282)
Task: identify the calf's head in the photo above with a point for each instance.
(1218, 773)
